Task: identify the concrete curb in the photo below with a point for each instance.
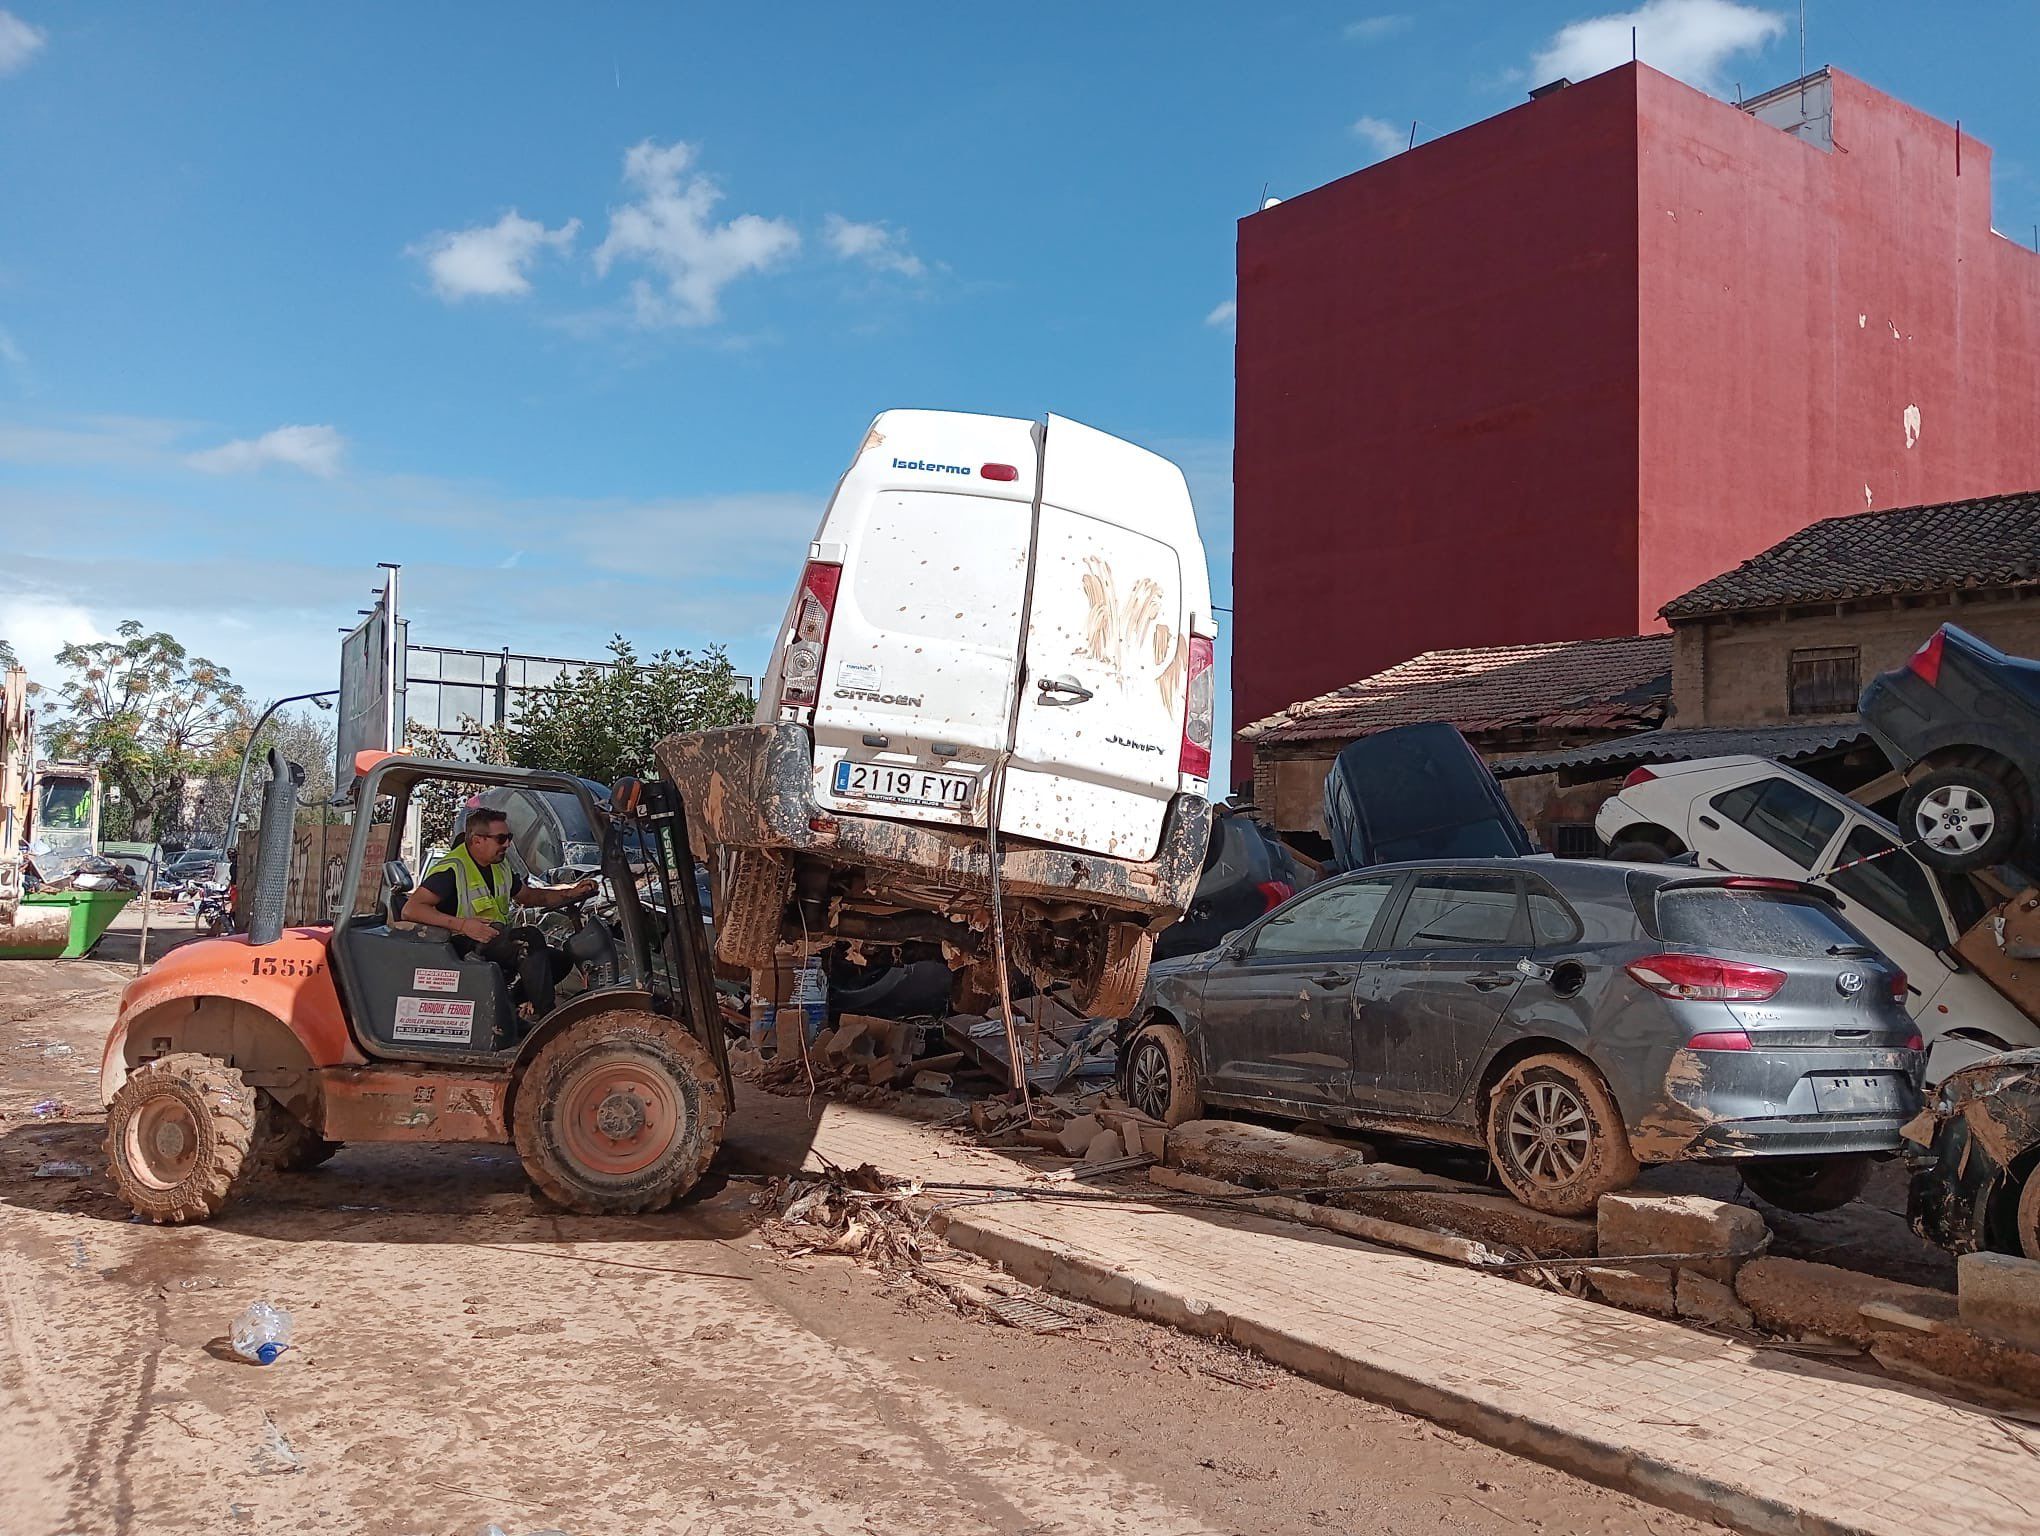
(1068, 1272)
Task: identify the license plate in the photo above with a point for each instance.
(1859, 1094)
(907, 786)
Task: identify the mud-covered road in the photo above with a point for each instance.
(465, 1356)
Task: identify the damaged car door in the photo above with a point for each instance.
(1428, 1005)
(1277, 1021)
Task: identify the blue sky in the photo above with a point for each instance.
(578, 312)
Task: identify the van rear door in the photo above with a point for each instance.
(923, 649)
(1098, 738)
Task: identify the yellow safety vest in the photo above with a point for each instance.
(476, 897)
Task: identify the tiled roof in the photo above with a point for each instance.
(1783, 742)
(1992, 541)
(1579, 685)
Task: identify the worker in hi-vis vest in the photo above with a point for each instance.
(470, 892)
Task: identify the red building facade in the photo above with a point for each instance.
(1531, 380)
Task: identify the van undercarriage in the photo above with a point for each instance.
(788, 868)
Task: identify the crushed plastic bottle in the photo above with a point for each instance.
(57, 1052)
(61, 1169)
(43, 1109)
(261, 1333)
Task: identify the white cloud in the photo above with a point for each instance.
(315, 450)
(875, 245)
(1223, 317)
(1690, 39)
(1372, 29)
(40, 626)
(668, 228)
(1381, 137)
(19, 42)
(490, 260)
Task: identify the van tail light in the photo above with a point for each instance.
(1720, 1040)
(1639, 776)
(1926, 661)
(1898, 987)
(1914, 1042)
(1274, 893)
(1703, 979)
(1197, 711)
(801, 682)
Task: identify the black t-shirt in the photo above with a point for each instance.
(445, 884)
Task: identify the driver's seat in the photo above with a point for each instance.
(397, 885)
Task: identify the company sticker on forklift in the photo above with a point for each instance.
(434, 1018)
(427, 980)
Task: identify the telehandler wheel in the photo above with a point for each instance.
(749, 909)
(1113, 987)
(288, 1145)
(180, 1133)
(618, 1113)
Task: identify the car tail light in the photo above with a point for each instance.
(1274, 893)
(1898, 987)
(1720, 1040)
(1197, 711)
(1701, 978)
(1914, 1042)
(1639, 776)
(999, 472)
(1926, 661)
(801, 680)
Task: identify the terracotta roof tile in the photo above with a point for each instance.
(1566, 684)
(1992, 541)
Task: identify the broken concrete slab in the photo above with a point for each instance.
(1640, 1287)
(1794, 1296)
(1483, 1217)
(1703, 1300)
(1999, 1295)
(1368, 1228)
(1260, 1155)
(1077, 1134)
(1106, 1147)
(1667, 1224)
(931, 1082)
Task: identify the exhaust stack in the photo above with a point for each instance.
(272, 852)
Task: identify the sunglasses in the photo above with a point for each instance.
(490, 837)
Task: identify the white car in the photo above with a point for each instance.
(1752, 816)
(994, 613)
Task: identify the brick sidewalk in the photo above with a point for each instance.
(1756, 1438)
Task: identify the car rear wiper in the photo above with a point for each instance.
(1853, 951)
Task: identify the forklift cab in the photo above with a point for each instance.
(413, 997)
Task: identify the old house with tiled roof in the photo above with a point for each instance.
(1770, 657)
(1504, 699)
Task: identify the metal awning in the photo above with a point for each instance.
(1782, 742)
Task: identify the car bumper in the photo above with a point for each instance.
(1769, 1103)
(752, 786)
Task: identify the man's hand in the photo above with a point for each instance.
(479, 929)
(583, 890)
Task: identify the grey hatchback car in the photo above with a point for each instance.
(1575, 1018)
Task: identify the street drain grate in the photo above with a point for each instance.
(1034, 1315)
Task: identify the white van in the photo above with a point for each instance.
(993, 610)
(1758, 817)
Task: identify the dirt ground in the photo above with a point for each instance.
(465, 1356)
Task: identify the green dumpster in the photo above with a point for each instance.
(91, 913)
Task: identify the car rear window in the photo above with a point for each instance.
(1750, 922)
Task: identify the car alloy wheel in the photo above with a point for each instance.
(1549, 1132)
(1954, 820)
(1149, 1080)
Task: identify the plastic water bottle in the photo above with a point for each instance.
(811, 996)
(261, 1333)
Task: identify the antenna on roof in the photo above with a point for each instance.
(1413, 135)
(1632, 45)
(1802, 58)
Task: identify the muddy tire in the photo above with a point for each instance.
(1556, 1137)
(1156, 1076)
(749, 910)
(180, 1135)
(2029, 1216)
(1962, 818)
(1807, 1185)
(287, 1145)
(1113, 988)
(618, 1113)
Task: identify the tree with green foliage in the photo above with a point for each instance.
(7, 656)
(602, 722)
(151, 717)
